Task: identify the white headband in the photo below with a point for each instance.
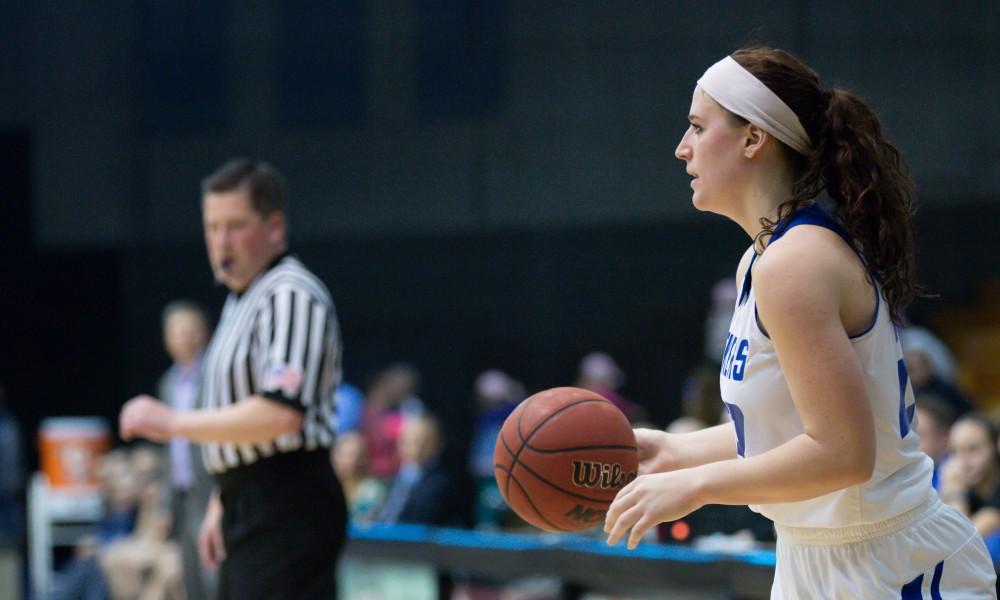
(738, 91)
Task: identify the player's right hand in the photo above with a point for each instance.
(211, 549)
(654, 452)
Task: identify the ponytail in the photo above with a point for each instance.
(862, 173)
(865, 177)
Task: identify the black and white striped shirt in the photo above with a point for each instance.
(278, 339)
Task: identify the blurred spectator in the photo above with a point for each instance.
(599, 373)
(120, 491)
(701, 398)
(146, 564)
(391, 397)
(970, 480)
(364, 493)
(423, 491)
(82, 578)
(701, 407)
(129, 557)
(720, 315)
(11, 475)
(349, 405)
(939, 359)
(934, 420)
(928, 368)
(185, 334)
(496, 396)
(686, 425)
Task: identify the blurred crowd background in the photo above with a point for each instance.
(489, 191)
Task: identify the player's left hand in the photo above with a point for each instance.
(145, 416)
(649, 500)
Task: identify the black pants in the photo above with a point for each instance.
(283, 523)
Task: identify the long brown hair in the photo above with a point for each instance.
(861, 172)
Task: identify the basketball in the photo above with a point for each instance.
(562, 456)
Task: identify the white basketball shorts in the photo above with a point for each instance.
(931, 552)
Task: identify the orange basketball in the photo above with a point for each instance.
(562, 456)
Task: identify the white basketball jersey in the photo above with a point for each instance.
(764, 416)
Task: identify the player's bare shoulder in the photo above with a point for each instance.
(808, 253)
(810, 273)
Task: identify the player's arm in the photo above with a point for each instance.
(799, 293)
(798, 299)
(253, 419)
(660, 451)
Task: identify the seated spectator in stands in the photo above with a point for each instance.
(938, 356)
(129, 557)
(496, 395)
(701, 397)
(686, 425)
(928, 374)
(349, 404)
(82, 578)
(364, 493)
(701, 401)
(391, 397)
(717, 321)
(120, 492)
(600, 373)
(970, 480)
(146, 563)
(423, 491)
(934, 420)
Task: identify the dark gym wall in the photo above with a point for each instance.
(420, 117)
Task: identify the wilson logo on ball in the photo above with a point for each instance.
(600, 475)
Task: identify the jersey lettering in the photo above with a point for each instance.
(734, 358)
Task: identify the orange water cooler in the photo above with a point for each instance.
(71, 449)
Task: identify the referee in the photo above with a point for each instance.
(277, 520)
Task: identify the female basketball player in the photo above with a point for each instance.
(821, 439)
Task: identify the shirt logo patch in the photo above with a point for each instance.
(285, 378)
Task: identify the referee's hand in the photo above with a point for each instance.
(211, 549)
(147, 417)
